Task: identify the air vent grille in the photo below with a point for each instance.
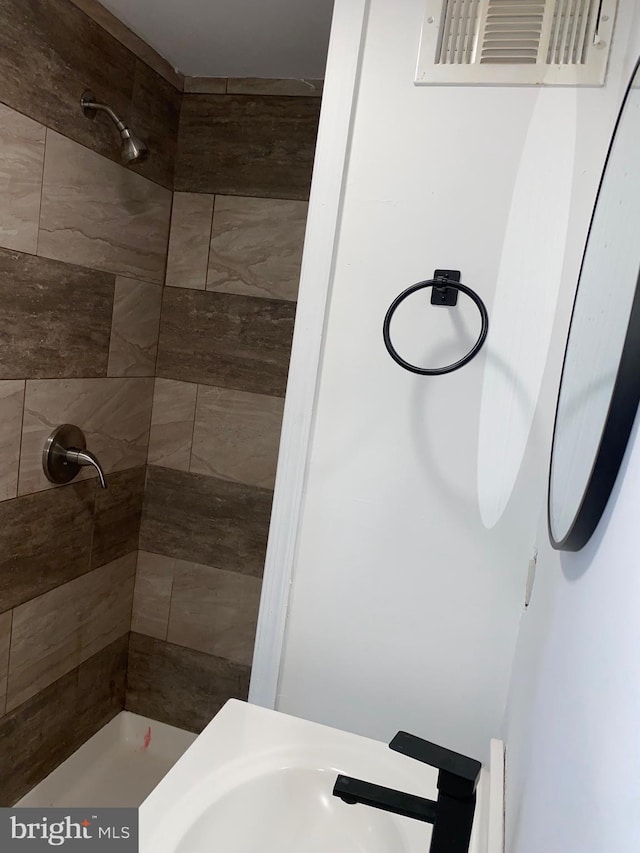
(568, 41)
(459, 31)
(516, 41)
(512, 32)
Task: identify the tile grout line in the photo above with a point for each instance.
(155, 365)
(24, 406)
(53, 488)
(6, 696)
(93, 522)
(76, 266)
(83, 378)
(163, 286)
(44, 158)
(193, 428)
(213, 212)
(135, 579)
(111, 328)
(173, 579)
(118, 275)
(100, 270)
(153, 408)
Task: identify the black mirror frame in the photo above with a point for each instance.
(622, 410)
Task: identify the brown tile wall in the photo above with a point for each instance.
(188, 377)
(226, 340)
(67, 567)
(45, 729)
(83, 248)
(250, 85)
(247, 145)
(206, 519)
(226, 327)
(51, 52)
(178, 685)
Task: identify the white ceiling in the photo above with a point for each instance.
(233, 38)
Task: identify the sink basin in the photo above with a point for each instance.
(290, 809)
(259, 780)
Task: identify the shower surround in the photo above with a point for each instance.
(223, 355)
(187, 374)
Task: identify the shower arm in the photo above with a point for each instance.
(132, 148)
(90, 107)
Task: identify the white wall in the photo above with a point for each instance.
(573, 752)
(406, 596)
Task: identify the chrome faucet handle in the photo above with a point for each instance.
(65, 454)
(85, 457)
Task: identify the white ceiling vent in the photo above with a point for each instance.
(516, 42)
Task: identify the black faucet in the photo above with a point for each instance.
(451, 814)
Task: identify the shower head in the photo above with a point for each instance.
(132, 150)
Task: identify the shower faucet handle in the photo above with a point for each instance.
(85, 457)
(65, 454)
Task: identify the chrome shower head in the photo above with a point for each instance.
(132, 150)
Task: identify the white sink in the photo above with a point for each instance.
(257, 780)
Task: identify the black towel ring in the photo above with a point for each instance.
(438, 283)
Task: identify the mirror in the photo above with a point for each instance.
(600, 385)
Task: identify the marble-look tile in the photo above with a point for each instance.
(45, 540)
(11, 403)
(133, 42)
(189, 240)
(99, 214)
(55, 318)
(101, 688)
(45, 642)
(50, 52)
(250, 145)
(152, 595)
(236, 436)
(290, 87)
(180, 686)
(134, 329)
(54, 633)
(155, 115)
(256, 246)
(36, 737)
(174, 408)
(206, 520)
(214, 611)
(225, 340)
(114, 415)
(5, 639)
(108, 598)
(118, 513)
(21, 158)
(205, 85)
